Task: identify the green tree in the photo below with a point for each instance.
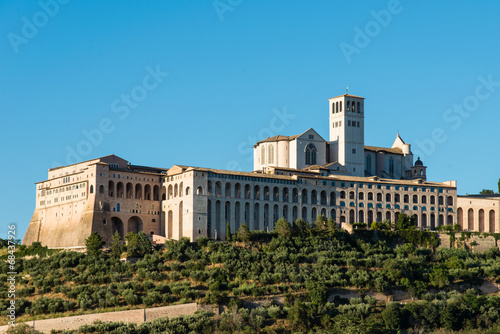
(283, 227)
(320, 225)
(301, 228)
(229, 236)
(94, 243)
(244, 233)
(143, 244)
(405, 222)
(486, 192)
(116, 244)
(392, 316)
(499, 186)
(132, 242)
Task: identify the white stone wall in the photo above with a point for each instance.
(479, 214)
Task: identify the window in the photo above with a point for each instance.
(262, 155)
(353, 151)
(311, 136)
(348, 122)
(311, 154)
(270, 158)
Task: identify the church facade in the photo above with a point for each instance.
(301, 176)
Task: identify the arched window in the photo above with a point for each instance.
(270, 158)
(311, 154)
(91, 189)
(357, 108)
(262, 155)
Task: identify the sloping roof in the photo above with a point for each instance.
(395, 150)
(181, 169)
(347, 95)
(287, 138)
(96, 159)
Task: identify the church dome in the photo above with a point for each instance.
(419, 162)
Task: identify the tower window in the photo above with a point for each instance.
(311, 154)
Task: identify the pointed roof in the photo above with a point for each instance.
(398, 142)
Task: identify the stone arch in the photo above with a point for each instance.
(156, 193)
(101, 189)
(138, 191)
(323, 197)
(314, 197)
(256, 217)
(170, 192)
(218, 188)
(147, 192)
(111, 189)
(481, 220)
(276, 194)
(218, 218)
(176, 190)
(295, 213)
(227, 189)
(332, 199)
(286, 194)
(119, 190)
(351, 216)
(129, 191)
(424, 220)
(460, 217)
(492, 221)
(256, 192)
(209, 188)
(470, 220)
(266, 193)
(181, 220)
(117, 225)
(295, 195)
(237, 190)
(209, 218)
(304, 213)
(181, 189)
(134, 224)
(247, 191)
(199, 191)
(314, 214)
(237, 216)
(170, 223)
(304, 198)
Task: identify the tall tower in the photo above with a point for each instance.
(347, 132)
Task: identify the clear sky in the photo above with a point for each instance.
(160, 83)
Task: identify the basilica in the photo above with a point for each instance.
(300, 176)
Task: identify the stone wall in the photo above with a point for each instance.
(136, 316)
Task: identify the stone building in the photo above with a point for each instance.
(479, 213)
(299, 176)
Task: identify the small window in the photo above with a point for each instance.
(353, 151)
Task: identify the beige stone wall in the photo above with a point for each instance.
(479, 214)
(136, 316)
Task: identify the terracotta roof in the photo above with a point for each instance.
(318, 177)
(348, 95)
(394, 150)
(277, 138)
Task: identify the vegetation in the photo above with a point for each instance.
(303, 271)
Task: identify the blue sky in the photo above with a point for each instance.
(229, 72)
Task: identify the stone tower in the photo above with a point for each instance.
(347, 132)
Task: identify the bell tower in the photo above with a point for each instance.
(347, 132)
